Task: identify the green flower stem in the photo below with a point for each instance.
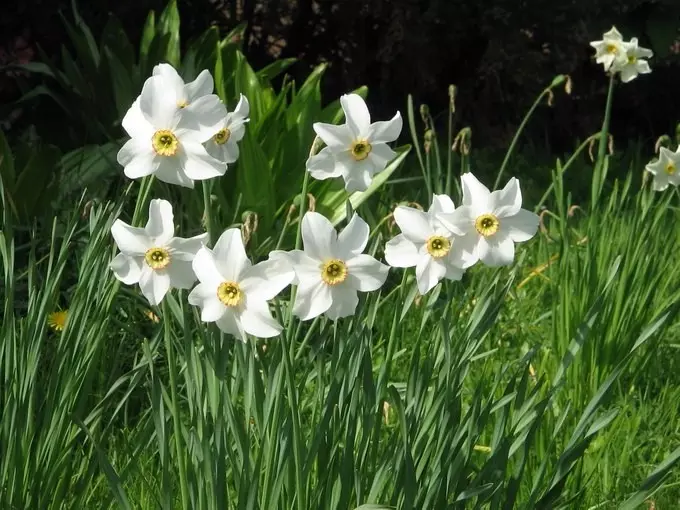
(207, 216)
(598, 173)
(172, 370)
(142, 198)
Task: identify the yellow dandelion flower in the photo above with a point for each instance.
(57, 320)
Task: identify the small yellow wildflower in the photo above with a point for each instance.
(57, 320)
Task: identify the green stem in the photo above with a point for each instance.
(206, 210)
(573, 157)
(297, 439)
(172, 370)
(598, 173)
(144, 190)
(518, 133)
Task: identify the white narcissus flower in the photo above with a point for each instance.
(223, 144)
(666, 169)
(332, 268)
(152, 256)
(357, 150)
(633, 62)
(494, 220)
(434, 250)
(610, 49)
(234, 293)
(167, 140)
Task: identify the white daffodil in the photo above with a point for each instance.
(494, 220)
(332, 268)
(234, 293)
(223, 144)
(152, 256)
(357, 150)
(166, 140)
(434, 250)
(633, 63)
(666, 169)
(185, 93)
(610, 49)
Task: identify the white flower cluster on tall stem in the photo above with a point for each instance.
(173, 126)
(665, 170)
(356, 150)
(619, 56)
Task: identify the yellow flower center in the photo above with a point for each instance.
(632, 59)
(157, 258)
(612, 48)
(360, 150)
(182, 104)
(165, 143)
(230, 294)
(57, 320)
(333, 272)
(487, 224)
(438, 246)
(222, 136)
(670, 168)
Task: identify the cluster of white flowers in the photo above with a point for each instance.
(178, 134)
(619, 56)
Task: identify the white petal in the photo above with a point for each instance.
(453, 272)
(230, 151)
(344, 302)
(135, 124)
(441, 204)
(127, 269)
(428, 273)
(508, 201)
(319, 236)
(242, 107)
(520, 227)
(181, 274)
(380, 156)
(291, 259)
(230, 323)
(322, 165)
(337, 138)
(628, 73)
(474, 192)
(257, 320)
(265, 280)
(197, 164)
(312, 299)
(201, 86)
(206, 269)
(230, 255)
(496, 251)
(356, 114)
(186, 249)
(463, 252)
(365, 273)
(353, 238)
(359, 179)
(205, 297)
(170, 171)
(400, 252)
(613, 34)
(386, 130)
(130, 240)
(160, 227)
(158, 103)
(414, 224)
(460, 222)
(172, 80)
(202, 119)
(137, 158)
(154, 285)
